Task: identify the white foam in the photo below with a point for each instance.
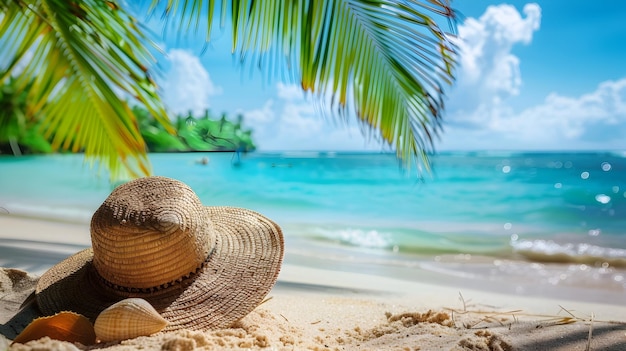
(550, 251)
(358, 237)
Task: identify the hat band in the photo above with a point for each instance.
(163, 286)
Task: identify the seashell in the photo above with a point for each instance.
(64, 326)
(128, 319)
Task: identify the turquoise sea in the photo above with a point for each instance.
(532, 221)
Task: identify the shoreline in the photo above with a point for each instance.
(60, 239)
(319, 308)
(45, 242)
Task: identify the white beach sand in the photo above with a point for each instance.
(316, 309)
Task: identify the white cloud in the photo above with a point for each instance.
(289, 92)
(479, 113)
(591, 117)
(489, 72)
(595, 120)
(299, 116)
(295, 123)
(187, 86)
(262, 115)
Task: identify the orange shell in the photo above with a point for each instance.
(64, 326)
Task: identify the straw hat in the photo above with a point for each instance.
(200, 267)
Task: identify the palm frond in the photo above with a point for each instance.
(388, 61)
(86, 58)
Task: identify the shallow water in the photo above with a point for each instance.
(491, 215)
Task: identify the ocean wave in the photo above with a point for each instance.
(410, 241)
(581, 253)
(620, 153)
(357, 237)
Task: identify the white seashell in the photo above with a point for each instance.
(128, 319)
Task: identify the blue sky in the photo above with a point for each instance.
(545, 75)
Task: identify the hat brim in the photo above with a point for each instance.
(237, 276)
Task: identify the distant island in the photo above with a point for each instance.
(205, 133)
(21, 133)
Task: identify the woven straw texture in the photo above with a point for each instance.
(244, 250)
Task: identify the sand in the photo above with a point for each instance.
(321, 309)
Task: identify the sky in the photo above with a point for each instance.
(544, 75)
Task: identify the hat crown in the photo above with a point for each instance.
(150, 232)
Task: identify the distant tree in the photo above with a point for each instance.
(19, 132)
(194, 134)
(157, 138)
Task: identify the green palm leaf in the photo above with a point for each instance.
(86, 57)
(388, 61)
(385, 60)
